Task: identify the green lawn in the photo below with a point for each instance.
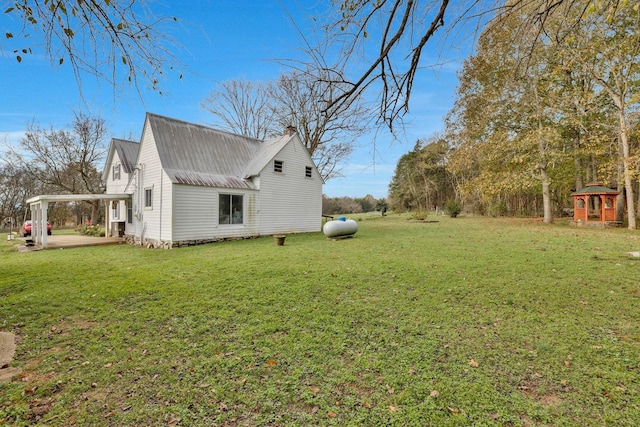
(466, 321)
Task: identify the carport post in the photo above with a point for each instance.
(34, 222)
(106, 218)
(44, 206)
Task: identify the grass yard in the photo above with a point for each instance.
(466, 321)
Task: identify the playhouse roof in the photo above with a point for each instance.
(595, 189)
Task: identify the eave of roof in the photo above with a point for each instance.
(595, 189)
(208, 180)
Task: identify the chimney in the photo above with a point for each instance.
(290, 130)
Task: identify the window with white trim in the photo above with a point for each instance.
(129, 212)
(115, 208)
(148, 198)
(230, 209)
(116, 172)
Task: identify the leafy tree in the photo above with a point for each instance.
(521, 124)
(115, 41)
(607, 47)
(421, 180)
(367, 203)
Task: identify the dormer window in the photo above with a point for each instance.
(278, 166)
(116, 172)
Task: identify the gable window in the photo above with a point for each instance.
(148, 197)
(278, 166)
(307, 171)
(230, 209)
(116, 172)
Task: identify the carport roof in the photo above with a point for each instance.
(77, 197)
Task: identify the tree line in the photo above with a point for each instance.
(348, 205)
(539, 113)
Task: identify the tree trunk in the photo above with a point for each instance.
(620, 186)
(546, 195)
(577, 161)
(628, 184)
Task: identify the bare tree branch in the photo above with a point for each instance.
(116, 41)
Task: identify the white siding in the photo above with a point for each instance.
(115, 185)
(195, 214)
(148, 219)
(289, 201)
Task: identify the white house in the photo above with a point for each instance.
(190, 183)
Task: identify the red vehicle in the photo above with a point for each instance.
(26, 229)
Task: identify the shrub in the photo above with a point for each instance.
(453, 208)
(91, 230)
(419, 215)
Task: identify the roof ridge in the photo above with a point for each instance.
(208, 127)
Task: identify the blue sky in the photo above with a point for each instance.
(220, 40)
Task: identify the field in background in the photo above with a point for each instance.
(465, 321)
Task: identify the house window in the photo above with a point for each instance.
(307, 171)
(231, 211)
(115, 208)
(278, 166)
(116, 172)
(148, 197)
(129, 212)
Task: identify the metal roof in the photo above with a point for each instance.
(595, 189)
(198, 155)
(127, 152)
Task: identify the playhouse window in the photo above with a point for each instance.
(231, 209)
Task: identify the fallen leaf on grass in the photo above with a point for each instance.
(271, 363)
(314, 390)
(173, 420)
(366, 405)
(434, 393)
(473, 363)
(393, 409)
(331, 414)
(390, 389)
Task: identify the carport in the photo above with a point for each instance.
(40, 204)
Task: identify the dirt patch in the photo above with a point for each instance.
(531, 391)
(72, 323)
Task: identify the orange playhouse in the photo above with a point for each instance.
(595, 205)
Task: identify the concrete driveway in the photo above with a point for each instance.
(70, 241)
